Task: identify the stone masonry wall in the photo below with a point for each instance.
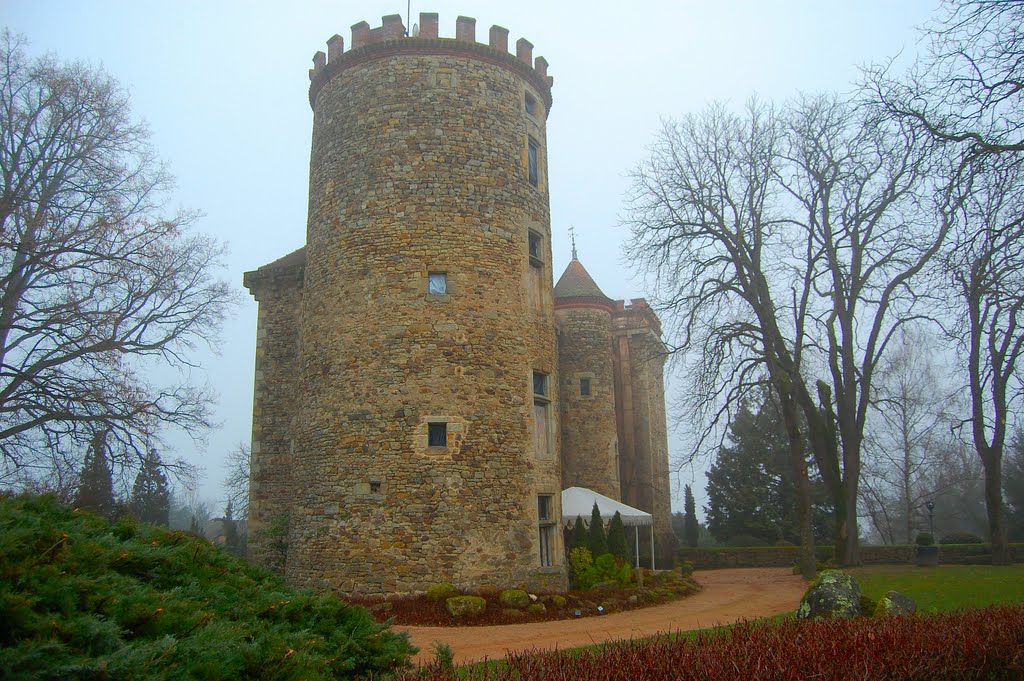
(589, 438)
(419, 165)
(640, 409)
(648, 371)
(274, 402)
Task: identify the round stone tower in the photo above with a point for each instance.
(425, 439)
(590, 448)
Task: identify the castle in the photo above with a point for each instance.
(422, 392)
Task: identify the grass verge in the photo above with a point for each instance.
(947, 587)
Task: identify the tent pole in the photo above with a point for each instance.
(652, 547)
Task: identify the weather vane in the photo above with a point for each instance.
(572, 237)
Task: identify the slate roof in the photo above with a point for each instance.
(576, 282)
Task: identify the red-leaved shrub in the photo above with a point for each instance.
(976, 644)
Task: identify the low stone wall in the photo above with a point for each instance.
(786, 556)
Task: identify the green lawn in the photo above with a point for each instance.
(948, 587)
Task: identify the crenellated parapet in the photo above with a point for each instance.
(638, 314)
(391, 38)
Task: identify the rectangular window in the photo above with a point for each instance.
(540, 384)
(584, 386)
(375, 487)
(533, 155)
(531, 104)
(437, 434)
(546, 529)
(544, 507)
(437, 283)
(541, 416)
(535, 243)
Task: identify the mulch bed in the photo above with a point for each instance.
(423, 611)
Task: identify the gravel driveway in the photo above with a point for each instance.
(728, 596)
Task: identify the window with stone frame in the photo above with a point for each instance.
(546, 529)
(533, 162)
(542, 444)
(535, 245)
(585, 387)
(437, 434)
(437, 283)
(531, 104)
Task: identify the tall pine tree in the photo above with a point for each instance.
(232, 542)
(617, 544)
(151, 496)
(95, 486)
(579, 533)
(751, 495)
(596, 541)
(691, 532)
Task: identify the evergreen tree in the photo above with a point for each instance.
(1013, 487)
(596, 541)
(579, 533)
(231, 539)
(95, 486)
(195, 528)
(617, 544)
(151, 496)
(691, 532)
(750, 488)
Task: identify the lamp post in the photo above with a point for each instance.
(931, 517)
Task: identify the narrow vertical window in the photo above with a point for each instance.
(584, 387)
(540, 384)
(546, 529)
(437, 434)
(541, 416)
(533, 156)
(535, 247)
(531, 104)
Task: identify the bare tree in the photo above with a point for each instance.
(236, 480)
(908, 426)
(704, 226)
(788, 248)
(985, 266)
(99, 285)
(862, 192)
(969, 88)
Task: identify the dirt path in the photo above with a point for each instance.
(728, 596)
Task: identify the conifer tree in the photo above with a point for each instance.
(151, 496)
(596, 541)
(95, 487)
(691, 532)
(231, 539)
(618, 546)
(579, 533)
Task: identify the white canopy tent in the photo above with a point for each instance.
(579, 502)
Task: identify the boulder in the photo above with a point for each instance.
(465, 606)
(833, 594)
(895, 603)
(514, 598)
(442, 591)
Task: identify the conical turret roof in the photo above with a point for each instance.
(576, 282)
